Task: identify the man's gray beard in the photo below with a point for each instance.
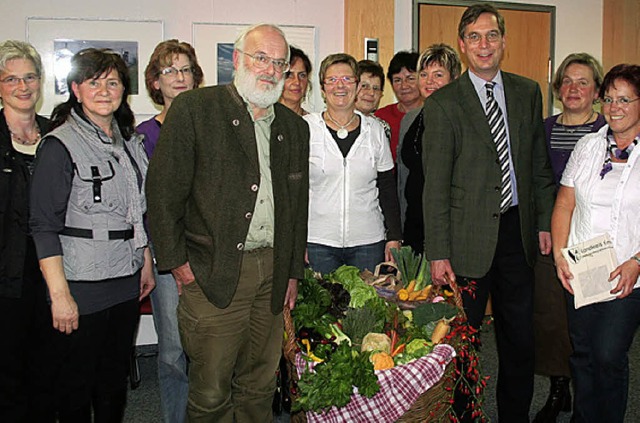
(247, 85)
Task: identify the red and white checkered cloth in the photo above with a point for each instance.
(400, 387)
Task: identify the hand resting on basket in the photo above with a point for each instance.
(441, 272)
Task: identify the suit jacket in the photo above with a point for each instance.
(202, 188)
(462, 174)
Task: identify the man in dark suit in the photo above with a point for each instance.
(228, 197)
(488, 197)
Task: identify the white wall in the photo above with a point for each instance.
(327, 16)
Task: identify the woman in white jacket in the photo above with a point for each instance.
(354, 215)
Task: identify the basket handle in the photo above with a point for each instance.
(457, 296)
(376, 273)
(289, 343)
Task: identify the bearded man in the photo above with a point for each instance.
(228, 194)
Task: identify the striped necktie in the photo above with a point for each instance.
(499, 135)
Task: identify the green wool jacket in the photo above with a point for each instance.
(461, 198)
(203, 183)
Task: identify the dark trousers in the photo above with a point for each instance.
(21, 323)
(89, 368)
(553, 346)
(601, 335)
(510, 283)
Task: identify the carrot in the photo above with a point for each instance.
(413, 296)
(412, 286)
(423, 294)
(398, 350)
(403, 295)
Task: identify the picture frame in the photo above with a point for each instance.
(214, 47)
(56, 39)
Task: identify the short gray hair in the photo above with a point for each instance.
(13, 49)
(239, 44)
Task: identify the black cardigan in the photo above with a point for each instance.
(14, 212)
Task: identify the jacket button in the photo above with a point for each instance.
(240, 246)
(236, 122)
(496, 215)
(254, 187)
(248, 215)
(497, 189)
(280, 137)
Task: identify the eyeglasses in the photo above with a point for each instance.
(262, 61)
(347, 80)
(172, 72)
(14, 81)
(620, 101)
(366, 87)
(474, 38)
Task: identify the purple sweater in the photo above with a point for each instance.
(151, 131)
(559, 158)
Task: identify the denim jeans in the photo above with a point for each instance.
(172, 361)
(601, 335)
(325, 259)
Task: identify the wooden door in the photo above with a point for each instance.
(620, 32)
(528, 51)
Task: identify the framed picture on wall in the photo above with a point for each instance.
(214, 46)
(58, 39)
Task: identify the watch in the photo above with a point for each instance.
(636, 259)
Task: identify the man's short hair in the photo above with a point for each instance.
(402, 59)
(374, 68)
(239, 44)
(472, 14)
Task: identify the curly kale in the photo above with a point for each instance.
(360, 321)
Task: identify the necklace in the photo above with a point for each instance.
(25, 141)
(576, 127)
(342, 132)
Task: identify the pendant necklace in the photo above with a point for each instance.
(572, 130)
(342, 132)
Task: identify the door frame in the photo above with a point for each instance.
(415, 30)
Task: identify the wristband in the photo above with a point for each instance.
(636, 259)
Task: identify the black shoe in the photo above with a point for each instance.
(109, 408)
(559, 400)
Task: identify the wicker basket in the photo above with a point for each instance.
(432, 406)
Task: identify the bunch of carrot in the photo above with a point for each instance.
(415, 274)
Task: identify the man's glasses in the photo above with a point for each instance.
(474, 38)
(172, 72)
(14, 81)
(262, 61)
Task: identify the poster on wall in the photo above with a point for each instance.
(58, 39)
(214, 46)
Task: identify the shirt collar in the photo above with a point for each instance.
(479, 83)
